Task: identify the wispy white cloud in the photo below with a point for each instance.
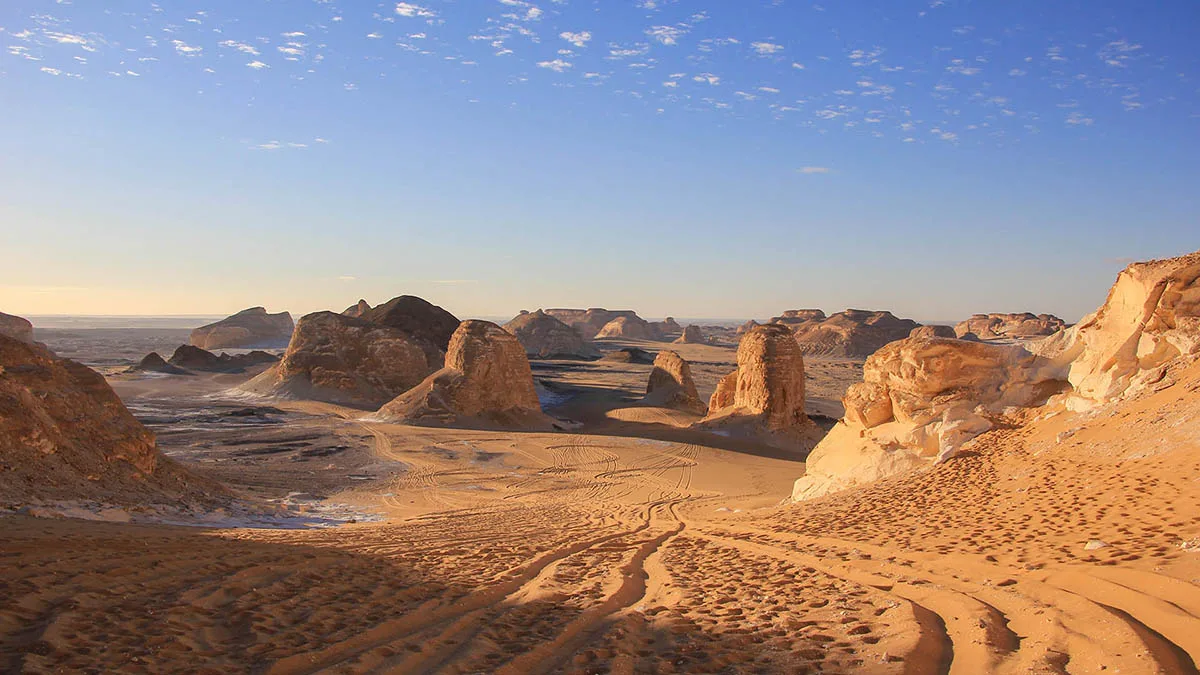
(809, 170)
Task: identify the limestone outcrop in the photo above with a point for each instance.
(747, 327)
(920, 400)
(933, 332)
(15, 327)
(854, 333)
(545, 337)
(589, 321)
(764, 397)
(1020, 325)
(357, 310)
(629, 355)
(667, 329)
(628, 328)
(795, 317)
(64, 435)
(248, 328)
(691, 336)
(155, 363)
(486, 381)
(671, 384)
(189, 358)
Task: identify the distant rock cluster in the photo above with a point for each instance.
(598, 323)
(187, 359)
(545, 337)
(247, 329)
(1021, 325)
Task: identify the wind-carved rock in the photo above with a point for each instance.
(248, 328)
(671, 384)
(545, 337)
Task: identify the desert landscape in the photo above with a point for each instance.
(588, 492)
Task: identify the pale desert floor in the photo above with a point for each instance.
(594, 552)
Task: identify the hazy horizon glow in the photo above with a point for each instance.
(932, 158)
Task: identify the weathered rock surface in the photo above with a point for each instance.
(1150, 319)
(691, 336)
(545, 337)
(64, 435)
(15, 327)
(357, 310)
(429, 324)
(629, 355)
(1020, 325)
(765, 395)
(486, 381)
(933, 332)
(920, 400)
(248, 328)
(747, 327)
(628, 328)
(794, 317)
(188, 357)
(671, 384)
(589, 321)
(155, 363)
(667, 329)
(854, 333)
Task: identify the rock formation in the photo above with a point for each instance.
(427, 323)
(486, 381)
(188, 357)
(667, 329)
(671, 384)
(854, 333)
(795, 317)
(628, 328)
(358, 310)
(747, 327)
(589, 321)
(932, 332)
(691, 336)
(155, 363)
(1150, 319)
(16, 327)
(1022, 325)
(252, 327)
(765, 395)
(629, 355)
(545, 337)
(64, 435)
(920, 400)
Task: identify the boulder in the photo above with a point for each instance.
(691, 336)
(545, 337)
(933, 332)
(671, 384)
(627, 328)
(64, 435)
(486, 381)
(589, 321)
(920, 400)
(16, 327)
(1019, 325)
(629, 355)
(854, 333)
(248, 328)
(764, 397)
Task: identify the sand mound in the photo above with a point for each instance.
(691, 336)
(545, 337)
(16, 327)
(64, 435)
(629, 355)
(920, 400)
(671, 384)
(589, 321)
(933, 332)
(252, 327)
(486, 380)
(628, 328)
(1020, 325)
(854, 333)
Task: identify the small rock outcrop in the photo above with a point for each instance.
(486, 381)
(1020, 325)
(796, 317)
(589, 321)
(854, 333)
(189, 358)
(765, 396)
(671, 385)
(358, 310)
(15, 327)
(629, 355)
(747, 327)
(933, 332)
(920, 400)
(691, 336)
(667, 329)
(545, 337)
(64, 435)
(628, 328)
(248, 328)
(155, 363)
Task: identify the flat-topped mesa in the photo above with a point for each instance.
(486, 382)
(691, 336)
(765, 395)
(933, 332)
(628, 328)
(793, 317)
(248, 328)
(1149, 323)
(1018, 325)
(15, 327)
(854, 333)
(671, 385)
(545, 337)
(589, 321)
(360, 361)
(64, 435)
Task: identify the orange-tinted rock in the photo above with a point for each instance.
(671, 384)
(545, 337)
(15, 327)
(358, 310)
(589, 321)
(252, 327)
(1020, 325)
(933, 332)
(854, 333)
(628, 328)
(691, 336)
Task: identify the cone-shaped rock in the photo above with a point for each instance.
(671, 384)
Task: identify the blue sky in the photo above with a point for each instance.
(719, 159)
